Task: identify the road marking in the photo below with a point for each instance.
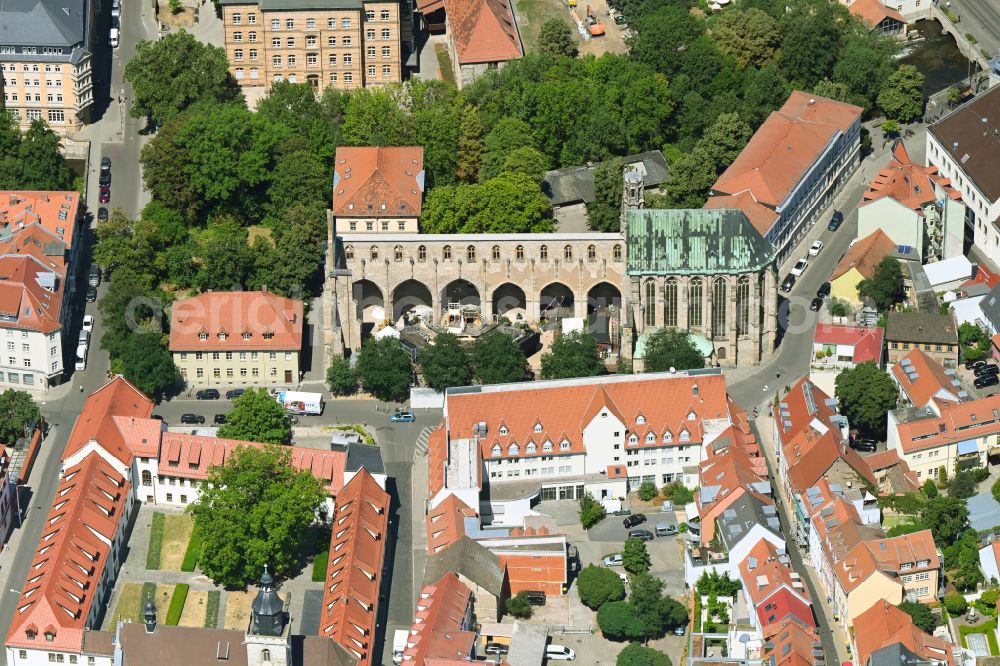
(421, 447)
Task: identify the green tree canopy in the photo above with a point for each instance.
(864, 64)
(660, 34)
(445, 363)
(603, 213)
(902, 95)
(254, 510)
(470, 145)
(671, 348)
(525, 160)
(176, 72)
(555, 38)
(946, 517)
(657, 612)
(832, 90)
(962, 485)
(17, 411)
(974, 341)
(929, 489)
(145, 361)
(885, 288)
(637, 654)
(340, 377)
(922, 615)
(599, 585)
(712, 584)
(519, 606)
(39, 164)
(572, 355)
(496, 359)
(384, 369)
(257, 417)
(507, 136)
(591, 511)
(509, 203)
(620, 621)
(866, 393)
(750, 37)
(635, 556)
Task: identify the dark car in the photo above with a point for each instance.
(207, 394)
(192, 419)
(824, 290)
(788, 283)
(816, 304)
(232, 394)
(105, 196)
(105, 164)
(969, 365)
(986, 369)
(988, 380)
(641, 535)
(104, 178)
(219, 419)
(865, 445)
(91, 294)
(102, 214)
(633, 520)
(835, 221)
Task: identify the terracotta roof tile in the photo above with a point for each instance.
(884, 625)
(378, 181)
(446, 523)
(909, 183)
(354, 574)
(56, 211)
(483, 31)
(439, 629)
(33, 306)
(761, 216)
(873, 12)
(273, 322)
(789, 642)
(865, 255)
(930, 379)
(957, 422)
(764, 571)
(867, 342)
(723, 479)
(117, 398)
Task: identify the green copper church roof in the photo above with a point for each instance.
(702, 240)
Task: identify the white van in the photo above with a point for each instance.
(399, 645)
(559, 653)
(81, 357)
(113, 38)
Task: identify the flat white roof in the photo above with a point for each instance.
(949, 270)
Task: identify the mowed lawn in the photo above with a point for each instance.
(531, 14)
(176, 535)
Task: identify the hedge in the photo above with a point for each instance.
(192, 553)
(212, 609)
(155, 541)
(319, 566)
(177, 604)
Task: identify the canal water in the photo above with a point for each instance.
(937, 57)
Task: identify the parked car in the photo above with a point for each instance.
(641, 535)
(94, 275)
(192, 419)
(116, 7)
(970, 365)
(402, 417)
(105, 164)
(559, 653)
(497, 648)
(633, 520)
(88, 322)
(835, 221)
(207, 394)
(219, 419)
(232, 394)
(665, 529)
(816, 304)
(102, 214)
(613, 560)
(824, 290)
(986, 369)
(113, 38)
(988, 380)
(788, 283)
(622, 512)
(104, 178)
(91, 294)
(815, 248)
(105, 195)
(679, 630)
(800, 267)
(864, 445)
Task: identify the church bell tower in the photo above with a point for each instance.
(268, 637)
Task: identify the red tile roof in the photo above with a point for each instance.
(58, 594)
(784, 603)
(378, 181)
(446, 523)
(764, 571)
(439, 628)
(22, 296)
(761, 216)
(437, 458)
(865, 255)
(931, 379)
(789, 642)
(884, 625)
(56, 211)
(561, 410)
(354, 573)
(867, 342)
(873, 12)
(731, 471)
(483, 31)
(190, 457)
(958, 422)
(273, 322)
(902, 179)
(117, 398)
(785, 147)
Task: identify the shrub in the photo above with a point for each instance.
(591, 511)
(519, 607)
(930, 488)
(648, 491)
(320, 563)
(980, 474)
(635, 557)
(955, 604)
(155, 541)
(676, 492)
(599, 585)
(963, 486)
(712, 584)
(212, 609)
(636, 654)
(177, 604)
(620, 621)
(922, 615)
(192, 553)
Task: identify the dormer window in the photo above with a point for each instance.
(668, 436)
(503, 430)
(222, 336)
(268, 336)
(546, 446)
(203, 336)
(685, 436)
(247, 335)
(564, 445)
(538, 427)
(513, 450)
(30, 634)
(495, 451)
(692, 416)
(50, 636)
(530, 447)
(640, 419)
(632, 439)
(650, 438)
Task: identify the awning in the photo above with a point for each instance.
(968, 446)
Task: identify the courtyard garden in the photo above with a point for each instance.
(176, 605)
(172, 545)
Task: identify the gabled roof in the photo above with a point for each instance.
(354, 574)
(761, 216)
(56, 212)
(790, 642)
(48, 23)
(470, 560)
(884, 625)
(784, 148)
(273, 322)
(921, 377)
(865, 255)
(957, 422)
(873, 12)
(700, 240)
(483, 31)
(30, 293)
(922, 327)
(765, 571)
(70, 557)
(866, 341)
(446, 523)
(438, 630)
(723, 479)
(117, 398)
(378, 181)
(903, 180)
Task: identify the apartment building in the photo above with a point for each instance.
(965, 147)
(792, 167)
(378, 189)
(935, 334)
(38, 231)
(922, 380)
(45, 62)
(237, 338)
(883, 634)
(343, 44)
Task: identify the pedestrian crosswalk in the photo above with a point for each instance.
(421, 447)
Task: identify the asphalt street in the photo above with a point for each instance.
(981, 19)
